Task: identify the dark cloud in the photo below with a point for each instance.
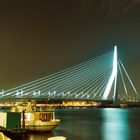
(108, 7)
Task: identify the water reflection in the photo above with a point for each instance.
(115, 124)
(39, 136)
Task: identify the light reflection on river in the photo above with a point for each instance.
(115, 124)
(95, 124)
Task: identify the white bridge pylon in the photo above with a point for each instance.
(94, 79)
(113, 77)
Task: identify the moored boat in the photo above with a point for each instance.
(27, 118)
(41, 121)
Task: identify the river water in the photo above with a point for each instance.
(95, 124)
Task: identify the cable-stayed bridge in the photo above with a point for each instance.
(95, 79)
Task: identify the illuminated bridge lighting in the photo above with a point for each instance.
(113, 77)
(90, 80)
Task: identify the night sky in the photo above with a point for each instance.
(40, 37)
